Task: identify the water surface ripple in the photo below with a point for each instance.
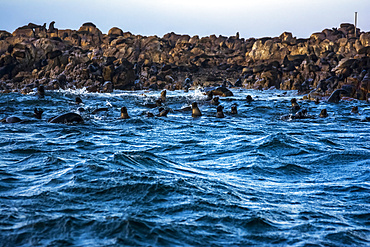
(244, 180)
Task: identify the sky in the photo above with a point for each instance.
(251, 18)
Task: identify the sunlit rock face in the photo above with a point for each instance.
(326, 61)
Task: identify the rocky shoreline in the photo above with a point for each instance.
(35, 55)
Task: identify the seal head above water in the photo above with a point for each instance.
(195, 112)
(124, 114)
(323, 113)
(220, 113)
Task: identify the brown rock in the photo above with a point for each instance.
(115, 31)
(365, 39)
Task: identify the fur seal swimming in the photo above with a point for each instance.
(149, 114)
(69, 117)
(157, 103)
(301, 114)
(209, 96)
(323, 113)
(37, 113)
(163, 112)
(215, 101)
(234, 110)
(124, 114)
(335, 96)
(249, 98)
(295, 106)
(41, 91)
(163, 96)
(183, 109)
(220, 113)
(354, 110)
(195, 112)
(100, 110)
(78, 100)
(12, 119)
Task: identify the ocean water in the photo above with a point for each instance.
(249, 179)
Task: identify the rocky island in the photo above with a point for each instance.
(34, 55)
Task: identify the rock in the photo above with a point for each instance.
(124, 76)
(115, 31)
(365, 39)
(107, 87)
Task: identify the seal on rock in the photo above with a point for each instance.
(65, 118)
(195, 112)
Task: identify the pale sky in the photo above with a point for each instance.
(251, 18)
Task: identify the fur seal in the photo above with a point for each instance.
(300, 114)
(11, 119)
(354, 110)
(163, 112)
(234, 110)
(37, 113)
(183, 109)
(41, 91)
(69, 117)
(295, 106)
(323, 113)
(215, 101)
(124, 114)
(220, 113)
(78, 100)
(100, 110)
(149, 114)
(249, 98)
(163, 96)
(209, 96)
(195, 112)
(157, 103)
(222, 91)
(335, 96)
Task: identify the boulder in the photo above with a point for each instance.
(115, 31)
(365, 39)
